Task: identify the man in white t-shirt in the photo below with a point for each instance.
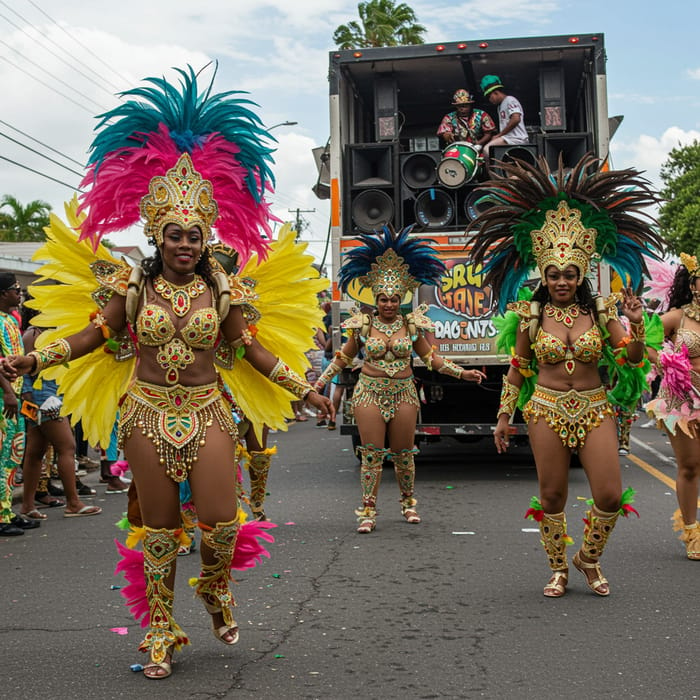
(511, 118)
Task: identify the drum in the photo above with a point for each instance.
(458, 165)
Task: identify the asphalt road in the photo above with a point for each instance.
(450, 608)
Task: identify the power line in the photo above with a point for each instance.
(77, 41)
(50, 87)
(63, 82)
(41, 143)
(36, 172)
(39, 153)
(46, 48)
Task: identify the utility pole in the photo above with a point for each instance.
(300, 224)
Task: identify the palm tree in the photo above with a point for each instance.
(23, 223)
(382, 23)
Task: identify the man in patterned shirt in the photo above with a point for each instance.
(466, 123)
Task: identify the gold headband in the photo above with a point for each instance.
(563, 240)
(389, 275)
(690, 263)
(181, 197)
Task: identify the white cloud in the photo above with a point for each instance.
(694, 73)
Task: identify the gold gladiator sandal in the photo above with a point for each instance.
(212, 587)
(555, 540)
(164, 636)
(258, 468)
(371, 465)
(405, 470)
(598, 526)
(690, 534)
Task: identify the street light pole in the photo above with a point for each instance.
(274, 126)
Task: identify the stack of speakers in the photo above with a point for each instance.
(371, 187)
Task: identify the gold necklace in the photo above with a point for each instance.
(388, 328)
(180, 297)
(692, 310)
(563, 314)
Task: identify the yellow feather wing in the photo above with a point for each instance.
(287, 285)
(91, 385)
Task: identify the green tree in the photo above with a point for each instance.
(23, 223)
(382, 23)
(679, 216)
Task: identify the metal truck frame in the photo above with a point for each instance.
(382, 167)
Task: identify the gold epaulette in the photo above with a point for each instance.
(243, 294)
(112, 278)
(417, 320)
(529, 314)
(606, 308)
(358, 323)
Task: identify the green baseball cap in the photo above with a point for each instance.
(489, 83)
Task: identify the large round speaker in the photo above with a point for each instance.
(372, 209)
(418, 170)
(507, 154)
(434, 208)
(476, 203)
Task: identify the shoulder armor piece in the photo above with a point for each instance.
(112, 278)
(242, 293)
(606, 308)
(133, 293)
(357, 323)
(418, 320)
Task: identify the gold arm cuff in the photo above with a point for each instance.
(428, 358)
(56, 353)
(288, 379)
(638, 331)
(328, 374)
(509, 397)
(451, 369)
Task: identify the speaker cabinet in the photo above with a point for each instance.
(418, 170)
(572, 148)
(434, 208)
(552, 97)
(471, 202)
(507, 154)
(371, 187)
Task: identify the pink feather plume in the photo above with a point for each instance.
(676, 371)
(134, 594)
(249, 550)
(661, 274)
(117, 186)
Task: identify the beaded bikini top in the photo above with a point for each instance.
(154, 327)
(689, 338)
(391, 356)
(587, 348)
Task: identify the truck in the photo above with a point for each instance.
(384, 165)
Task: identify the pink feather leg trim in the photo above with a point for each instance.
(134, 594)
(249, 550)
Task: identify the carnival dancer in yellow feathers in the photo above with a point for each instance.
(164, 336)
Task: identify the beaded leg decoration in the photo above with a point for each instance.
(212, 587)
(405, 470)
(598, 526)
(258, 468)
(555, 540)
(690, 534)
(371, 462)
(164, 635)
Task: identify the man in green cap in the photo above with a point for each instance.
(511, 118)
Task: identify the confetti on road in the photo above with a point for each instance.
(464, 532)
(530, 529)
(119, 630)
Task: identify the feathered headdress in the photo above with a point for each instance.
(540, 218)
(209, 152)
(390, 263)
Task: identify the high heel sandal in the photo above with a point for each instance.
(367, 519)
(165, 666)
(224, 629)
(409, 512)
(597, 583)
(556, 586)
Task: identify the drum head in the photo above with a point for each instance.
(451, 172)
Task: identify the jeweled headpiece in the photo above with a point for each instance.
(390, 263)
(138, 155)
(690, 263)
(567, 217)
(181, 197)
(563, 240)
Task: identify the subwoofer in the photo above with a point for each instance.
(507, 154)
(572, 147)
(418, 170)
(434, 208)
(371, 209)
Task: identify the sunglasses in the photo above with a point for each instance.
(13, 288)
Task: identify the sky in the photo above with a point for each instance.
(64, 61)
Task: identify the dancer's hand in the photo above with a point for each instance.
(322, 404)
(501, 435)
(631, 305)
(473, 375)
